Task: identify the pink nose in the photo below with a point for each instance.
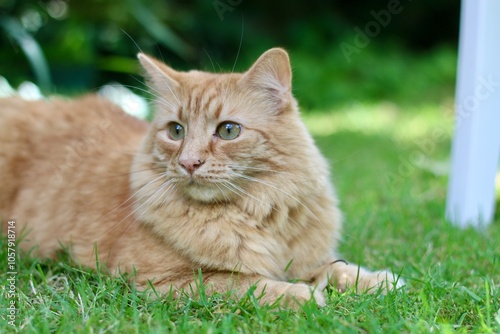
(190, 164)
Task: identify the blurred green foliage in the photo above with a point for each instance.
(85, 44)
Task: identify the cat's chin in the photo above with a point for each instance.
(206, 194)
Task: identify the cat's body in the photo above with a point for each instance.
(226, 180)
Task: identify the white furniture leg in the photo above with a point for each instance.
(476, 144)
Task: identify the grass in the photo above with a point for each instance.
(392, 183)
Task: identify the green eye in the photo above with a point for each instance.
(228, 130)
(175, 131)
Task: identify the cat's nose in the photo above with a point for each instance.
(190, 164)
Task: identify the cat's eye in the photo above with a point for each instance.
(228, 130)
(175, 131)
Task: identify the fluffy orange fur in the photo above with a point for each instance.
(226, 179)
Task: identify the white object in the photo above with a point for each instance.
(130, 102)
(476, 144)
(29, 91)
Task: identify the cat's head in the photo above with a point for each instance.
(215, 136)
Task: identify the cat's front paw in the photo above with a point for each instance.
(346, 276)
(292, 295)
(383, 280)
(300, 294)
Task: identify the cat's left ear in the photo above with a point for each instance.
(272, 73)
(160, 76)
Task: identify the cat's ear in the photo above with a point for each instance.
(161, 77)
(271, 73)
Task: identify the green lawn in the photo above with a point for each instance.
(391, 179)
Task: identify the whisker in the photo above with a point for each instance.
(223, 193)
(253, 179)
(228, 185)
(168, 185)
(143, 204)
(241, 42)
(210, 58)
(239, 191)
(123, 206)
(293, 176)
(165, 196)
(157, 96)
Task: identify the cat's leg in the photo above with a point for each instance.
(343, 276)
(267, 290)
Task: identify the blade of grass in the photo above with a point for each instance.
(31, 49)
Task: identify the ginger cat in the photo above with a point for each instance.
(226, 179)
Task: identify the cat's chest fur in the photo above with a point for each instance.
(232, 237)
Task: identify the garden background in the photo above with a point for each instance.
(375, 81)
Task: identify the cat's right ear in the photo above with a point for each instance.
(158, 75)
